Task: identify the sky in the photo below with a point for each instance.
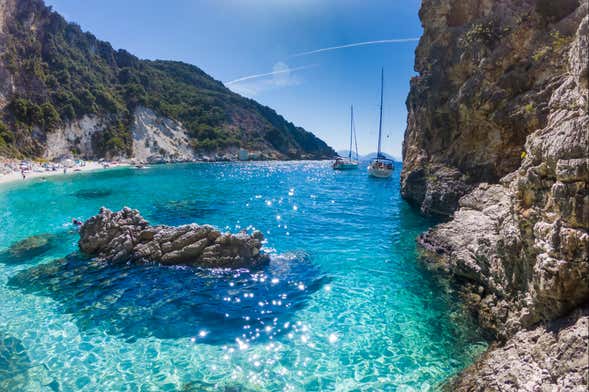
(271, 51)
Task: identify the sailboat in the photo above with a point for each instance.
(348, 163)
(380, 167)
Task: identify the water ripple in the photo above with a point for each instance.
(211, 306)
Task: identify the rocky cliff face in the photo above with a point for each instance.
(550, 357)
(497, 139)
(155, 138)
(486, 72)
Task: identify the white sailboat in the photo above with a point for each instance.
(348, 163)
(380, 167)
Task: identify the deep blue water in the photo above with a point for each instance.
(343, 305)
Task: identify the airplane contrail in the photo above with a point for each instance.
(280, 71)
(377, 42)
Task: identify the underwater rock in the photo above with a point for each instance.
(89, 194)
(179, 212)
(27, 249)
(202, 386)
(213, 306)
(127, 236)
(17, 372)
(13, 358)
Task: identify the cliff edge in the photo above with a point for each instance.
(497, 140)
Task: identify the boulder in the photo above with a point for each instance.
(126, 236)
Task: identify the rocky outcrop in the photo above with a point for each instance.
(525, 240)
(125, 236)
(75, 136)
(487, 70)
(550, 357)
(156, 138)
(498, 140)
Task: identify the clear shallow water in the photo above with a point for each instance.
(343, 304)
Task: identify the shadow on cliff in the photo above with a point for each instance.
(212, 306)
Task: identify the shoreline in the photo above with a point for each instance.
(91, 166)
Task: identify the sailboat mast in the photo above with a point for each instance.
(351, 129)
(380, 120)
(355, 141)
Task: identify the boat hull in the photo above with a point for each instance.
(380, 170)
(345, 165)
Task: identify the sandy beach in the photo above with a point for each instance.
(37, 172)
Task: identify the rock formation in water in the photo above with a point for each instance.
(497, 139)
(27, 249)
(125, 236)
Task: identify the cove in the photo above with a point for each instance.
(344, 302)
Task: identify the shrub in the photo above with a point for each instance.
(559, 41)
(115, 144)
(50, 116)
(5, 135)
(529, 108)
(486, 33)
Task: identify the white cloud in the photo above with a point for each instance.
(281, 76)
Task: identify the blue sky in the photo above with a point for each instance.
(234, 39)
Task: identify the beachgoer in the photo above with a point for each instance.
(22, 172)
(77, 222)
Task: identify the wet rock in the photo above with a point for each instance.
(14, 361)
(202, 386)
(27, 249)
(17, 372)
(126, 236)
(89, 194)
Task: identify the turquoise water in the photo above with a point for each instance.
(343, 305)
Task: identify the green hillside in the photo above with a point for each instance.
(51, 72)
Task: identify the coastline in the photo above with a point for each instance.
(91, 166)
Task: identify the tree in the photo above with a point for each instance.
(50, 116)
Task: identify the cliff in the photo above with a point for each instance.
(497, 141)
(63, 91)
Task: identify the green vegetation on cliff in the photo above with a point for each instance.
(59, 73)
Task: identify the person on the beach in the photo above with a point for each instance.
(77, 222)
(22, 172)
